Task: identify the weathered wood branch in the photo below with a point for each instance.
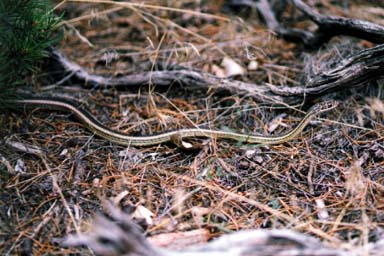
(328, 26)
(118, 235)
(355, 70)
(191, 79)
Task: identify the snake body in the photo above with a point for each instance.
(123, 139)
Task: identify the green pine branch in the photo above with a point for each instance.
(27, 31)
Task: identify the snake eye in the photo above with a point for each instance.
(331, 104)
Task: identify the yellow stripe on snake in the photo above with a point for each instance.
(123, 139)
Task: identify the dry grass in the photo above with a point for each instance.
(328, 182)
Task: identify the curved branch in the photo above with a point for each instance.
(358, 69)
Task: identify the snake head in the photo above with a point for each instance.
(324, 106)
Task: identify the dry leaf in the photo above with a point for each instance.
(142, 212)
(322, 213)
(276, 122)
(232, 68)
(218, 71)
(117, 199)
(253, 65)
(20, 166)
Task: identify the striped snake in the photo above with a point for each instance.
(123, 139)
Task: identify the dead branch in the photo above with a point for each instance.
(355, 70)
(328, 26)
(190, 78)
(118, 235)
